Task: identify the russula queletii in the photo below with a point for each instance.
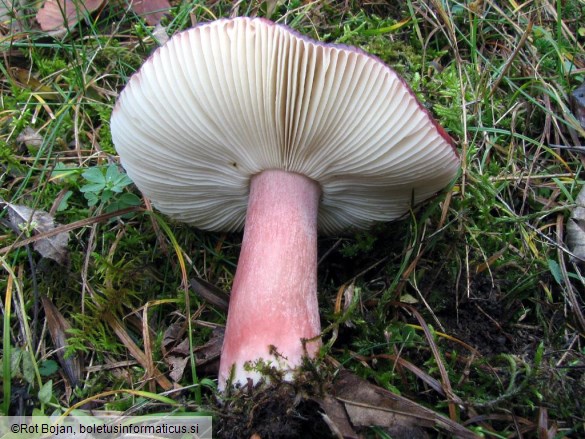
(244, 123)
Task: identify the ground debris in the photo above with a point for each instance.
(369, 405)
(576, 227)
(30, 221)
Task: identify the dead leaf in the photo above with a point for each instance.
(211, 350)
(176, 351)
(67, 228)
(177, 367)
(23, 218)
(151, 10)
(59, 15)
(181, 349)
(210, 293)
(160, 34)
(30, 138)
(336, 417)
(576, 228)
(24, 79)
(367, 405)
(58, 327)
(172, 336)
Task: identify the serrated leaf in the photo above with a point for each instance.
(92, 187)
(94, 175)
(116, 180)
(92, 198)
(112, 174)
(107, 195)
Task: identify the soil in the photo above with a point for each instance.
(270, 411)
(482, 320)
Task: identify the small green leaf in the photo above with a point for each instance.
(28, 368)
(539, 354)
(94, 175)
(112, 174)
(92, 198)
(107, 195)
(555, 270)
(48, 367)
(15, 360)
(38, 412)
(122, 202)
(116, 180)
(92, 187)
(46, 392)
(206, 382)
(122, 182)
(63, 205)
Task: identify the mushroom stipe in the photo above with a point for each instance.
(244, 123)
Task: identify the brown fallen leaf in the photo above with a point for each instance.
(59, 15)
(58, 327)
(176, 351)
(151, 10)
(176, 366)
(23, 218)
(370, 405)
(211, 350)
(172, 337)
(336, 417)
(576, 228)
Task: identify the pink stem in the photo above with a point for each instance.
(274, 296)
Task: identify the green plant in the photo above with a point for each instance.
(106, 186)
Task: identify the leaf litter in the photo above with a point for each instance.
(29, 221)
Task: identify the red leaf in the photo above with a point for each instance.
(151, 10)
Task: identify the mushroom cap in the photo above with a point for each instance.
(224, 101)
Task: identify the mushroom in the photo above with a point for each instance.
(245, 123)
